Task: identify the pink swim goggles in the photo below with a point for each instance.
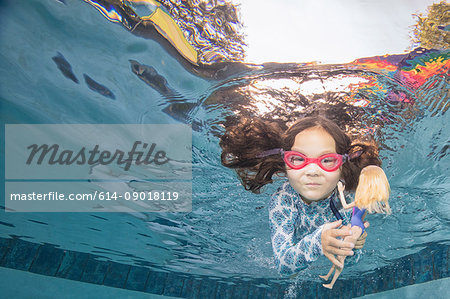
(296, 160)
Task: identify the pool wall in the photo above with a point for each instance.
(428, 264)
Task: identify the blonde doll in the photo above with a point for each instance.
(371, 196)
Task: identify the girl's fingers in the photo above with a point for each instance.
(362, 238)
(361, 241)
(340, 244)
(332, 225)
(359, 246)
(340, 251)
(343, 232)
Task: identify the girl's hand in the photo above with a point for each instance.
(340, 186)
(331, 246)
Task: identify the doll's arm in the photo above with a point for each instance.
(341, 188)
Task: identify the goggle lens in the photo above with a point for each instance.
(328, 162)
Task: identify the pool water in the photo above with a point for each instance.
(224, 243)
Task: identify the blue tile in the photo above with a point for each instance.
(4, 245)
(304, 289)
(241, 290)
(95, 271)
(47, 260)
(195, 288)
(258, 288)
(447, 273)
(207, 288)
(20, 255)
(256, 292)
(318, 288)
(386, 278)
(369, 284)
(72, 265)
(224, 290)
(323, 292)
(191, 287)
(283, 289)
(338, 287)
(156, 282)
(117, 275)
(174, 285)
(137, 278)
(404, 272)
(422, 266)
(358, 290)
(439, 262)
(186, 290)
(347, 286)
(444, 270)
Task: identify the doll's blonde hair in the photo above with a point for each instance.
(373, 190)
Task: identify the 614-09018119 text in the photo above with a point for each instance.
(103, 196)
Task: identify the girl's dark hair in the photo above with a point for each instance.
(242, 143)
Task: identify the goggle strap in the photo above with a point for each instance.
(354, 155)
(271, 152)
(345, 158)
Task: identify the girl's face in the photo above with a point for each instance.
(312, 182)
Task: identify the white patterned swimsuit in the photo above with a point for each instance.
(296, 228)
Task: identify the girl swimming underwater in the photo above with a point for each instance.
(314, 154)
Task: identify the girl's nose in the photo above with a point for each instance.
(312, 169)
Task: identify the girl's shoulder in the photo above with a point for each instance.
(284, 190)
(285, 194)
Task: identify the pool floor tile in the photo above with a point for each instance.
(72, 265)
(117, 275)
(4, 246)
(428, 264)
(423, 267)
(241, 290)
(174, 285)
(137, 278)
(256, 292)
(95, 271)
(20, 255)
(208, 288)
(195, 288)
(273, 291)
(187, 287)
(47, 260)
(404, 271)
(439, 263)
(224, 290)
(156, 282)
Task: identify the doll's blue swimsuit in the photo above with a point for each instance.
(296, 228)
(357, 218)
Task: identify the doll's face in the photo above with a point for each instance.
(312, 182)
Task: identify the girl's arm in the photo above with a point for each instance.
(290, 255)
(341, 188)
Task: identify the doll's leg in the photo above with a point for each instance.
(329, 273)
(356, 232)
(336, 274)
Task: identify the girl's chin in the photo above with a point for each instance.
(309, 197)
